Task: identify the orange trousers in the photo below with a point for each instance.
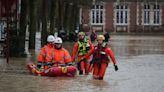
(99, 72)
(84, 65)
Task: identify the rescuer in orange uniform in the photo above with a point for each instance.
(101, 56)
(84, 49)
(46, 52)
(60, 55)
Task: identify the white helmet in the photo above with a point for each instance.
(58, 40)
(50, 38)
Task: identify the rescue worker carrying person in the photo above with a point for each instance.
(83, 48)
(101, 56)
(46, 52)
(60, 56)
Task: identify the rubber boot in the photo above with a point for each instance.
(100, 78)
(80, 72)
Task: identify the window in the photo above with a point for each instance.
(121, 14)
(97, 15)
(151, 14)
(156, 14)
(146, 14)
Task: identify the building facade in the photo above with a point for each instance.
(124, 17)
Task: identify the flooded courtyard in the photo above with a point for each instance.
(140, 61)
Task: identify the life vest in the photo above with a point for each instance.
(100, 54)
(83, 47)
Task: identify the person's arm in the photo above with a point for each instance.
(67, 57)
(41, 57)
(110, 54)
(91, 50)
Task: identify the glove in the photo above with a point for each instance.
(91, 62)
(69, 64)
(115, 68)
(82, 59)
(49, 64)
(39, 64)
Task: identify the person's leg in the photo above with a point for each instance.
(81, 68)
(95, 71)
(102, 71)
(86, 66)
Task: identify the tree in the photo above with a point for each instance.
(44, 15)
(23, 24)
(32, 25)
(52, 16)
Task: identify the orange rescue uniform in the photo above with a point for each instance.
(83, 64)
(102, 55)
(60, 56)
(45, 53)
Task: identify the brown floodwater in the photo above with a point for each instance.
(141, 69)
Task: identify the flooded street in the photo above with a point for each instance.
(140, 61)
